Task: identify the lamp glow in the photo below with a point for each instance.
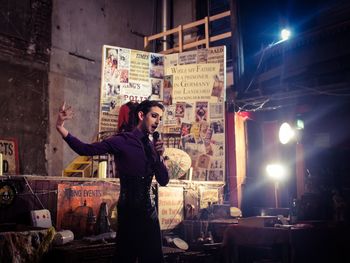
(276, 171)
(285, 34)
(286, 133)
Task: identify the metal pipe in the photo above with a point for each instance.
(165, 22)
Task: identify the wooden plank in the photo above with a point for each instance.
(162, 34)
(219, 16)
(145, 42)
(194, 24)
(180, 38)
(206, 32)
(221, 36)
(195, 44)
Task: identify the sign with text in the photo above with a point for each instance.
(72, 196)
(9, 151)
(170, 206)
(193, 82)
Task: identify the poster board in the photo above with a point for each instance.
(191, 85)
(170, 206)
(9, 151)
(71, 196)
(127, 75)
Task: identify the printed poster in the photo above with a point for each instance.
(191, 86)
(128, 75)
(193, 82)
(72, 197)
(170, 206)
(198, 87)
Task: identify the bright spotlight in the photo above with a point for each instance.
(286, 133)
(285, 34)
(276, 171)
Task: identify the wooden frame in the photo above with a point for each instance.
(180, 30)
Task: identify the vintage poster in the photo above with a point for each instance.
(171, 60)
(124, 58)
(215, 55)
(215, 175)
(193, 82)
(128, 75)
(189, 57)
(167, 90)
(170, 206)
(198, 91)
(201, 111)
(73, 200)
(216, 110)
(156, 66)
(9, 151)
(207, 197)
(139, 66)
(185, 128)
(169, 116)
(191, 86)
(180, 109)
(157, 90)
(199, 175)
(202, 56)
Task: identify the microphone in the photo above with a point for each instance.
(156, 136)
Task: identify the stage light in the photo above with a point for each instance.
(286, 133)
(285, 34)
(276, 172)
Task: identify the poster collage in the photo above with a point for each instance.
(191, 85)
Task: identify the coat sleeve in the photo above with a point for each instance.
(161, 173)
(90, 149)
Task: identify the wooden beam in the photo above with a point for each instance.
(206, 32)
(221, 36)
(180, 38)
(206, 41)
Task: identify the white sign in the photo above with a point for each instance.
(170, 206)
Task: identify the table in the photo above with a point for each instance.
(295, 244)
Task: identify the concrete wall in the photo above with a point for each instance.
(79, 30)
(25, 35)
(184, 12)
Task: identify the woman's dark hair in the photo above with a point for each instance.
(146, 105)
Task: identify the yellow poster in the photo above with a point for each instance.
(193, 82)
(139, 66)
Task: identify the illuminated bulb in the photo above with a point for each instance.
(285, 34)
(286, 133)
